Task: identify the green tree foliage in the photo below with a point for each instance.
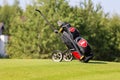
(32, 37)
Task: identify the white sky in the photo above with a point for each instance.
(111, 6)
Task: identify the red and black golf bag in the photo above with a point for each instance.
(78, 46)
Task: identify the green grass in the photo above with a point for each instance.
(35, 69)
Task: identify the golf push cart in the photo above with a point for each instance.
(81, 49)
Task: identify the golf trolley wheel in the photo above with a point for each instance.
(68, 56)
(57, 56)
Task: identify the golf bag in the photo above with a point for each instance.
(79, 47)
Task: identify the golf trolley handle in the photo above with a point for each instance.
(53, 28)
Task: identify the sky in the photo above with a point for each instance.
(110, 6)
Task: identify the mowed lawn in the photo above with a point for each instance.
(37, 69)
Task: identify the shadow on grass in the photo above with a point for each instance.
(97, 62)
